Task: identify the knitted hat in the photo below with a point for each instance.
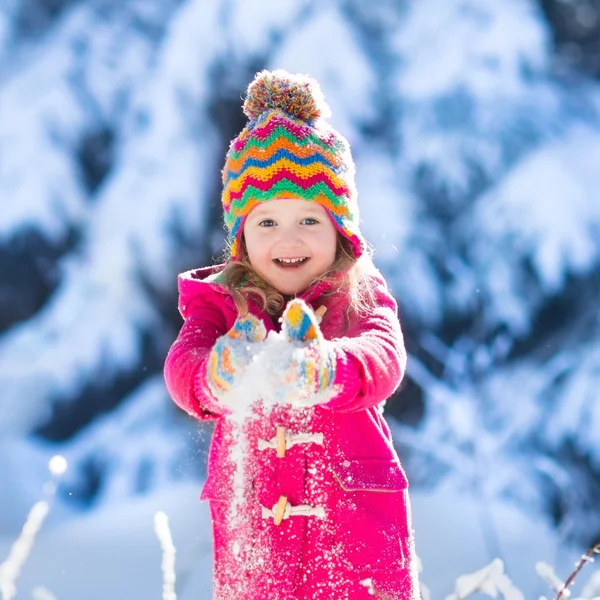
(287, 150)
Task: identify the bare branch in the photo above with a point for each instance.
(586, 558)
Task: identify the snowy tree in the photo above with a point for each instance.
(477, 183)
(498, 151)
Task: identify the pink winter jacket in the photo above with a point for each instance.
(354, 474)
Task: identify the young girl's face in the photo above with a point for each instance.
(290, 243)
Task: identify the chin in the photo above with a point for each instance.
(291, 290)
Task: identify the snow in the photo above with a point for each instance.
(592, 587)
(114, 551)
(477, 179)
(481, 431)
(163, 532)
(545, 202)
(470, 101)
(261, 385)
(379, 180)
(473, 51)
(162, 451)
(453, 538)
(318, 46)
(491, 580)
(546, 572)
(39, 164)
(250, 29)
(76, 84)
(128, 230)
(20, 489)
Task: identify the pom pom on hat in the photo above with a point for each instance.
(298, 95)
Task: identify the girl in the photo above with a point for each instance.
(326, 512)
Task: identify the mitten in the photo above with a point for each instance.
(233, 352)
(309, 368)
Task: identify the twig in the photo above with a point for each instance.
(161, 526)
(586, 558)
(10, 569)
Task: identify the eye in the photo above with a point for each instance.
(309, 221)
(266, 223)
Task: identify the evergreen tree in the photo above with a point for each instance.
(476, 177)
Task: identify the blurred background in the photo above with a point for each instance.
(475, 127)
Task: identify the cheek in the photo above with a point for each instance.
(257, 248)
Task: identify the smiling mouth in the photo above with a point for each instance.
(290, 263)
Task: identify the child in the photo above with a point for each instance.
(325, 499)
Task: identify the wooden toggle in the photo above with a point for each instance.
(281, 441)
(320, 312)
(280, 510)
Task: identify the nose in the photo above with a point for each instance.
(289, 237)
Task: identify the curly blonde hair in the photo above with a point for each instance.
(240, 278)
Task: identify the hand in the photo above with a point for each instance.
(232, 353)
(309, 369)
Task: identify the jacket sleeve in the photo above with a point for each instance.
(371, 358)
(186, 362)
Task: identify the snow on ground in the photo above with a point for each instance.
(456, 534)
(114, 553)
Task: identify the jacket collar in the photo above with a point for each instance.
(210, 275)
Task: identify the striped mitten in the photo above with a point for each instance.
(232, 353)
(310, 367)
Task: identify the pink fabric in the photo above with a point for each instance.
(356, 475)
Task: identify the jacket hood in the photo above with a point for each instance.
(196, 283)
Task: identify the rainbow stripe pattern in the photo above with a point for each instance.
(278, 155)
(298, 323)
(317, 369)
(231, 353)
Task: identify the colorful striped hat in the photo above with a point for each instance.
(287, 150)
